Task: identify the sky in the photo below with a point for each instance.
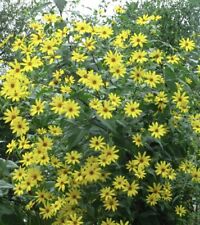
(94, 5)
(82, 7)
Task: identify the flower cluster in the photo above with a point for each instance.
(101, 120)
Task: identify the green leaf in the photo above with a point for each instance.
(76, 138)
(109, 124)
(11, 165)
(60, 4)
(5, 185)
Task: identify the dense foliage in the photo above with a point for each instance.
(102, 122)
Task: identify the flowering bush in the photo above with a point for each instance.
(102, 122)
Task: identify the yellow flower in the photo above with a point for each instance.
(36, 26)
(119, 9)
(44, 144)
(152, 79)
(163, 168)
(11, 146)
(138, 39)
(24, 143)
(18, 44)
(122, 223)
(155, 189)
(157, 56)
(61, 182)
(195, 173)
(142, 160)
(55, 130)
(94, 81)
(27, 159)
(173, 59)
(137, 75)
(119, 182)
(113, 58)
(139, 57)
(187, 44)
(161, 100)
(132, 109)
(57, 104)
(103, 32)
(30, 63)
(36, 39)
(108, 221)
(47, 211)
(35, 174)
(111, 204)
(71, 109)
(142, 20)
(18, 174)
(11, 114)
(180, 210)
(107, 193)
(78, 57)
(114, 99)
(108, 155)
(38, 108)
(157, 130)
(83, 27)
(95, 103)
(20, 126)
(131, 189)
(89, 43)
(137, 139)
(73, 196)
(105, 110)
(152, 199)
(16, 67)
(117, 70)
(166, 193)
(97, 143)
(49, 46)
(42, 196)
(92, 173)
(73, 157)
(50, 18)
(195, 122)
(181, 100)
(186, 166)
(139, 172)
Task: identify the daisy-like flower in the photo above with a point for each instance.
(73, 157)
(137, 139)
(97, 143)
(131, 188)
(138, 40)
(105, 110)
(113, 58)
(132, 109)
(187, 44)
(163, 168)
(19, 126)
(11, 114)
(138, 75)
(71, 109)
(94, 81)
(38, 108)
(111, 204)
(78, 57)
(173, 59)
(139, 56)
(157, 130)
(180, 210)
